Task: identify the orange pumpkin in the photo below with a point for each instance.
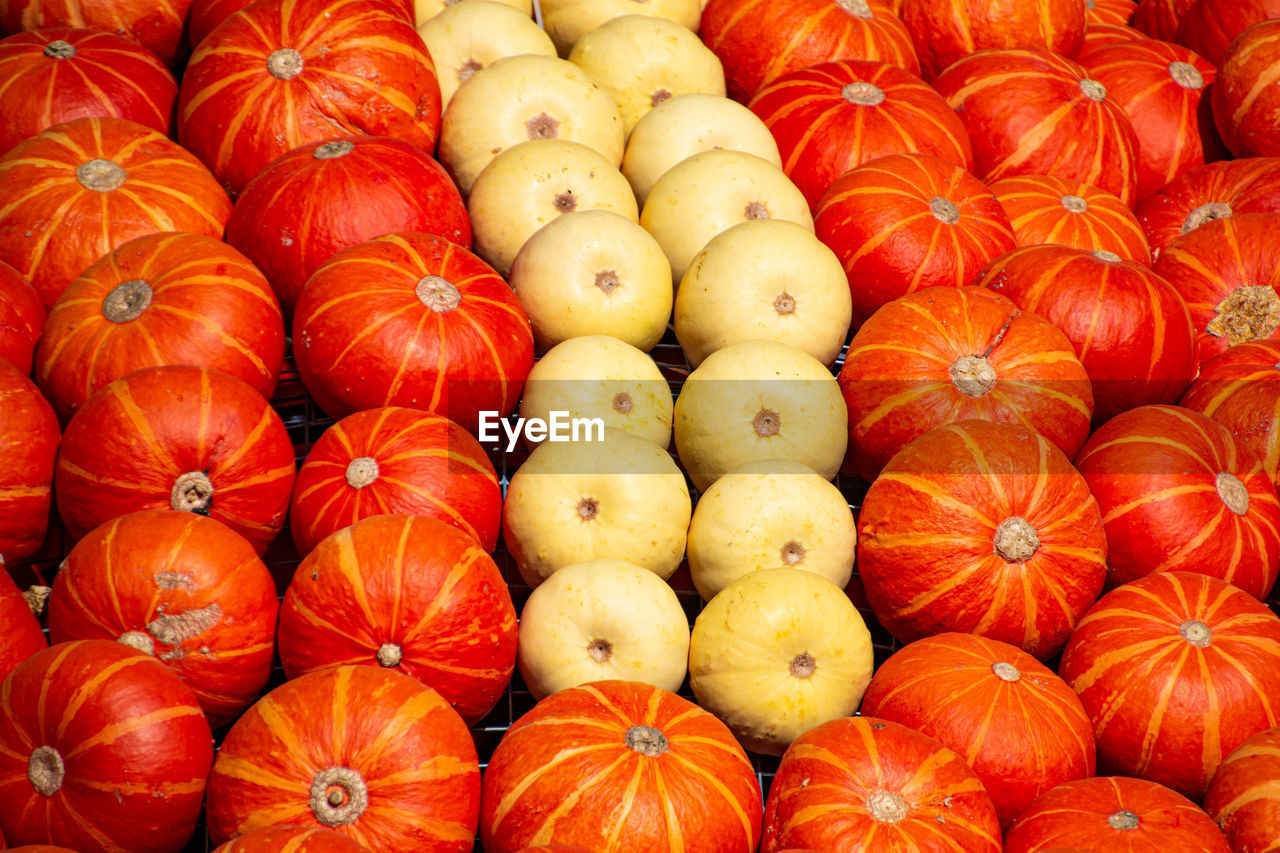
(1044, 209)
(29, 438)
(1242, 796)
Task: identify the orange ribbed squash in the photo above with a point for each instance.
(157, 26)
(1246, 108)
(22, 636)
(1214, 191)
(1210, 26)
(1044, 209)
(1159, 18)
(22, 317)
(1240, 389)
(29, 438)
(1109, 11)
(1099, 36)
(945, 31)
(1243, 798)
(292, 839)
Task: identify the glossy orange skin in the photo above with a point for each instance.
(129, 444)
(22, 636)
(109, 75)
(820, 791)
(1099, 36)
(700, 794)
(144, 572)
(1074, 816)
(205, 15)
(158, 26)
(208, 306)
(52, 227)
(366, 72)
(139, 790)
(1130, 328)
(929, 525)
(1245, 107)
(1242, 797)
(29, 438)
(1218, 189)
(1109, 11)
(758, 40)
(427, 465)
(1240, 389)
(417, 583)
(1162, 708)
(1209, 26)
(944, 31)
(22, 317)
(292, 839)
(1044, 209)
(1159, 18)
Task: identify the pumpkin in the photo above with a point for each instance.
(204, 16)
(1099, 36)
(1239, 389)
(80, 765)
(450, 335)
(1044, 209)
(615, 766)
(177, 437)
(161, 299)
(1206, 193)
(1130, 328)
(945, 31)
(22, 317)
(388, 764)
(57, 74)
(1109, 11)
(158, 28)
(395, 460)
(759, 41)
(74, 192)
(1163, 89)
(611, 494)
(1114, 813)
(865, 783)
(1015, 722)
(566, 21)
(834, 116)
(400, 188)
(776, 653)
(22, 636)
(269, 80)
(982, 528)
(602, 620)
(1244, 108)
(29, 437)
(182, 587)
(1200, 500)
(1065, 124)
(1209, 27)
(1241, 797)
(406, 593)
(1175, 634)
(946, 354)
(907, 222)
(292, 839)
(1227, 271)
(1159, 18)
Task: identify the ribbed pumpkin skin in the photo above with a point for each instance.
(156, 25)
(1077, 815)
(365, 72)
(53, 226)
(189, 587)
(205, 15)
(1100, 36)
(1245, 107)
(407, 593)
(1163, 89)
(1164, 708)
(832, 779)
(204, 303)
(1242, 796)
(466, 349)
(298, 211)
(1169, 482)
(22, 317)
(135, 748)
(880, 221)
(1044, 209)
(412, 780)
(1240, 389)
(58, 74)
(925, 360)
(832, 117)
(1031, 112)
(566, 773)
(944, 31)
(292, 839)
(1228, 272)
(1219, 189)
(1109, 11)
(984, 529)
(1130, 328)
(1210, 26)
(22, 636)
(135, 443)
(1159, 18)
(1011, 718)
(758, 40)
(29, 437)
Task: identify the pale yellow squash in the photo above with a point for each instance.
(466, 37)
(425, 10)
(567, 21)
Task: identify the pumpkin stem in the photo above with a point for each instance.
(1104, 255)
(338, 796)
(767, 422)
(362, 471)
(389, 654)
(944, 210)
(36, 596)
(1124, 820)
(607, 281)
(756, 210)
(1186, 75)
(600, 650)
(647, 740)
(127, 301)
(1205, 213)
(138, 640)
(863, 94)
(542, 126)
(886, 806)
(973, 375)
(285, 63)
(1232, 492)
(1006, 671)
(1093, 90)
(173, 629)
(1015, 540)
(1074, 204)
(101, 176)
(622, 403)
(192, 492)
(59, 49)
(785, 303)
(803, 665)
(1196, 633)
(1250, 313)
(857, 8)
(792, 553)
(45, 770)
(333, 150)
(438, 294)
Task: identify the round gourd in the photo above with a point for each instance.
(778, 652)
(1244, 108)
(1208, 193)
(759, 400)
(1159, 18)
(602, 620)
(1240, 389)
(764, 279)
(1210, 27)
(1242, 797)
(944, 31)
(770, 514)
(159, 29)
(22, 317)
(29, 439)
(1045, 209)
(464, 37)
(425, 10)
(23, 636)
(567, 21)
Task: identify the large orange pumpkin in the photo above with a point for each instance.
(944, 31)
(1242, 796)
(1245, 107)
(1214, 191)
(157, 26)
(1044, 209)
(29, 437)
(1159, 18)
(1240, 389)
(1209, 27)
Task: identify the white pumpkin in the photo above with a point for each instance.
(759, 400)
(601, 377)
(768, 279)
(533, 183)
(573, 501)
(601, 620)
(567, 21)
(466, 37)
(425, 10)
(593, 272)
(777, 653)
(770, 514)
